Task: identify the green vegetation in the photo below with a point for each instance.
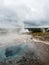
(38, 29)
(35, 29)
(39, 34)
(42, 36)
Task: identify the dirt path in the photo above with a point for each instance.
(41, 47)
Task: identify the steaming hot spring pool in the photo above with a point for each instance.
(17, 49)
(9, 52)
(13, 47)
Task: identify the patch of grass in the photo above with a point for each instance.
(41, 36)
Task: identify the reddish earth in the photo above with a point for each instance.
(43, 52)
(42, 49)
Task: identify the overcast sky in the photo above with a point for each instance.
(24, 12)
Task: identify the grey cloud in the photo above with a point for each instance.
(24, 13)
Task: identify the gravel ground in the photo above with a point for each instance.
(40, 55)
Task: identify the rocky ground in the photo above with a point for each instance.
(40, 55)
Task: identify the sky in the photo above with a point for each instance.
(24, 13)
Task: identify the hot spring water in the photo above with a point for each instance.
(13, 46)
(11, 51)
(10, 46)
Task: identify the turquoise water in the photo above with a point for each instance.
(12, 51)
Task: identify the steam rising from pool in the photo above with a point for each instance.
(14, 47)
(12, 42)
